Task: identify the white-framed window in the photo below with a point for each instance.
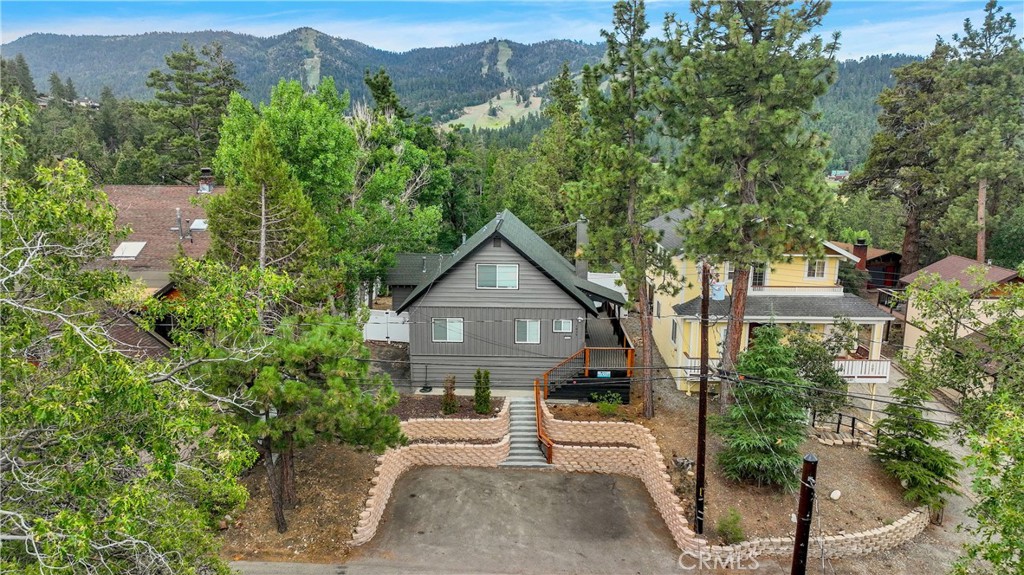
(675, 331)
(815, 268)
(561, 326)
(729, 271)
(497, 276)
(446, 329)
(527, 331)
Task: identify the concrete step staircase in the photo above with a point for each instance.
(523, 449)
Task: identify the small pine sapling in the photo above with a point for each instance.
(907, 443)
(449, 401)
(482, 391)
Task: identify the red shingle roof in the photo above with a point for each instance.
(955, 268)
(872, 252)
(150, 212)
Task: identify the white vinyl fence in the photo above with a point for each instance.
(385, 325)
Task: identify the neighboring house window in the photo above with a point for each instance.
(815, 268)
(675, 330)
(497, 276)
(730, 271)
(758, 275)
(496, 242)
(527, 331)
(447, 329)
(561, 326)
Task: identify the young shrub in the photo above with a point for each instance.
(449, 401)
(482, 391)
(763, 431)
(729, 528)
(908, 443)
(607, 403)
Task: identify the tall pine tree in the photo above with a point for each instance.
(739, 86)
(621, 185)
(190, 100)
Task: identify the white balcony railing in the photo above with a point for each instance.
(800, 290)
(863, 369)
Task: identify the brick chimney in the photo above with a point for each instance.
(582, 239)
(860, 249)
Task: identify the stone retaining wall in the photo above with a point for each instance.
(394, 462)
(493, 428)
(645, 462)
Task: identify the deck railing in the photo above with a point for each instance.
(590, 361)
(547, 446)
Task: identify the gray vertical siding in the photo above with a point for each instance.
(398, 295)
(459, 286)
(490, 332)
(489, 324)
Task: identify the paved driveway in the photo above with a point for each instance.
(466, 520)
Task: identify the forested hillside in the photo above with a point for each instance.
(849, 110)
(437, 82)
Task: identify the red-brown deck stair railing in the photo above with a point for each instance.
(564, 371)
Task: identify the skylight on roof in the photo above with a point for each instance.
(198, 225)
(128, 250)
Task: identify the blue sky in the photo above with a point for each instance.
(868, 27)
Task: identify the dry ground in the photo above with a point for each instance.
(332, 481)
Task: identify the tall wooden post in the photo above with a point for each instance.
(803, 514)
(702, 413)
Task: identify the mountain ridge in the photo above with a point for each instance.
(437, 81)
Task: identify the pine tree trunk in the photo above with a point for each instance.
(734, 335)
(274, 483)
(982, 192)
(646, 355)
(289, 497)
(911, 242)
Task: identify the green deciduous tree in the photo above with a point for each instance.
(107, 463)
(814, 354)
(739, 86)
(190, 99)
(762, 432)
(973, 345)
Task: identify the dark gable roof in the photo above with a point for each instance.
(668, 227)
(955, 268)
(412, 268)
(790, 306)
(130, 339)
(525, 241)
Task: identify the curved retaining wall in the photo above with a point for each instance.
(492, 429)
(645, 462)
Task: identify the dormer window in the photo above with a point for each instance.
(128, 251)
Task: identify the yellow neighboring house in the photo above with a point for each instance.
(799, 290)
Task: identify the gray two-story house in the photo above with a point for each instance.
(504, 301)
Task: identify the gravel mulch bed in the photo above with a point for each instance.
(424, 406)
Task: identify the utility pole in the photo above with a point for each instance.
(702, 412)
(803, 514)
